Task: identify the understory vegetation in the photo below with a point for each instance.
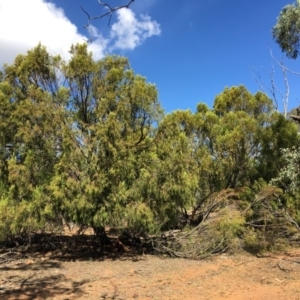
(86, 142)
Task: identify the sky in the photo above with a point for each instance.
(191, 49)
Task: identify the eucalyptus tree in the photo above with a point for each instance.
(286, 31)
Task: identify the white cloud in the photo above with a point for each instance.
(26, 23)
(23, 24)
(128, 32)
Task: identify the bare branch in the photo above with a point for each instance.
(291, 220)
(264, 87)
(283, 66)
(273, 89)
(110, 12)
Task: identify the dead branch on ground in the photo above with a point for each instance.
(202, 240)
(11, 256)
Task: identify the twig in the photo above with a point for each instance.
(283, 66)
(3, 260)
(274, 90)
(263, 86)
(282, 269)
(291, 220)
(110, 12)
(7, 253)
(295, 261)
(242, 263)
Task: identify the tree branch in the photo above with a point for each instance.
(263, 86)
(110, 12)
(283, 66)
(274, 90)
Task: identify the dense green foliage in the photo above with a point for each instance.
(87, 142)
(289, 181)
(286, 32)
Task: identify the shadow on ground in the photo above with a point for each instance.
(41, 264)
(37, 285)
(71, 248)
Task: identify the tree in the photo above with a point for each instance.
(286, 32)
(232, 135)
(87, 141)
(32, 113)
(168, 184)
(73, 137)
(202, 154)
(288, 180)
(114, 116)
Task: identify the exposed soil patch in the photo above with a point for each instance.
(238, 276)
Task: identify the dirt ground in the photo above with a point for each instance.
(236, 276)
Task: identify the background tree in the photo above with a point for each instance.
(289, 180)
(227, 147)
(233, 134)
(286, 32)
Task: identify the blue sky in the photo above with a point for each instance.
(193, 50)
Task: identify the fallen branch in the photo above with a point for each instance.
(282, 269)
(295, 261)
(5, 260)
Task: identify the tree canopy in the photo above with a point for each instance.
(286, 32)
(87, 142)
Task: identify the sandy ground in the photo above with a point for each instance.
(237, 276)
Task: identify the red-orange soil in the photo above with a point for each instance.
(237, 276)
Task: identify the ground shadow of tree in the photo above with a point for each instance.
(36, 285)
(71, 248)
(36, 272)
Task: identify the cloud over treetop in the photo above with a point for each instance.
(24, 24)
